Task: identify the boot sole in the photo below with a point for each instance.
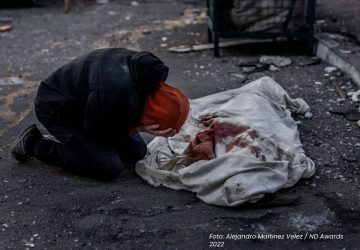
(14, 153)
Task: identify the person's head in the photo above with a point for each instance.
(166, 106)
(147, 70)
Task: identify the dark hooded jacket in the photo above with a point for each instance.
(103, 92)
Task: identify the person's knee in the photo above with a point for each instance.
(140, 152)
(139, 148)
(108, 167)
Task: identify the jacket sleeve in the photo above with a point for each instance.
(107, 115)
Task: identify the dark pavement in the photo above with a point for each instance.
(43, 207)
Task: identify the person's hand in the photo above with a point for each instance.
(154, 130)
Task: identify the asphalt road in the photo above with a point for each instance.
(42, 207)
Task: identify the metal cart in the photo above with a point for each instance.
(217, 27)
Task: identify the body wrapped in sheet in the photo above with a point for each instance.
(235, 146)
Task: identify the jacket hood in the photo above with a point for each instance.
(148, 71)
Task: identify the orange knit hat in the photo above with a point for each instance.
(166, 106)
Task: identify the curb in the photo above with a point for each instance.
(327, 50)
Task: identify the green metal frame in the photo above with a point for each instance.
(215, 32)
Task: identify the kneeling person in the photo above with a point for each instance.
(95, 106)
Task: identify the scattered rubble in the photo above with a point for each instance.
(273, 68)
(348, 158)
(198, 47)
(241, 77)
(28, 244)
(328, 133)
(5, 27)
(350, 114)
(278, 61)
(247, 63)
(253, 69)
(345, 51)
(13, 80)
(272, 63)
(308, 115)
(330, 69)
(354, 95)
(310, 61)
(102, 1)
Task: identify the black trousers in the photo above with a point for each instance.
(80, 153)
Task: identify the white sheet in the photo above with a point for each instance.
(255, 147)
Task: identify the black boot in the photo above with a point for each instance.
(24, 145)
